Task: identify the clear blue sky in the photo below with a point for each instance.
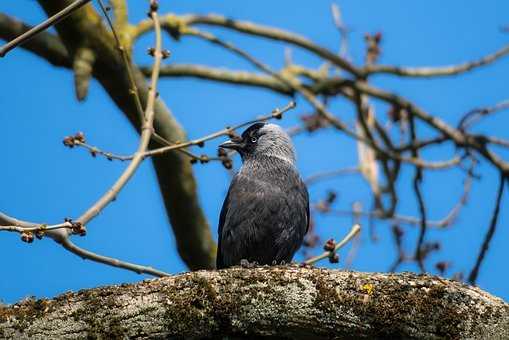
(43, 181)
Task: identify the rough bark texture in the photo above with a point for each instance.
(289, 302)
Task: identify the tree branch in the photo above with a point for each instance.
(472, 278)
(222, 75)
(60, 15)
(110, 261)
(146, 133)
(60, 233)
(176, 181)
(279, 302)
(429, 72)
(175, 23)
(46, 45)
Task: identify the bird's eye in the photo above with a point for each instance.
(254, 139)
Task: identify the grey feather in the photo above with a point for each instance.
(266, 212)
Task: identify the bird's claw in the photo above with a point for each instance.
(246, 264)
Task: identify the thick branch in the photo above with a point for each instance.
(222, 75)
(288, 302)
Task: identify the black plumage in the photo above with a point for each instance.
(266, 212)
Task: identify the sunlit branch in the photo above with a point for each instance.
(429, 72)
(64, 13)
(88, 255)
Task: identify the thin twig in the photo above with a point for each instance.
(45, 45)
(457, 136)
(127, 63)
(330, 174)
(171, 146)
(429, 72)
(40, 228)
(472, 277)
(417, 182)
(146, 133)
(356, 228)
(419, 254)
(289, 81)
(395, 218)
(42, 26)
(96, 151)
(474, 115)
(343, 30)
(63, 239)
(398, 242)
(311, 98)
(183, 22)
(224, 132)
(57, 234)
(88, 255)
(60, 232)
(497, 141)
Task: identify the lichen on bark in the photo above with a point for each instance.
(283, 301)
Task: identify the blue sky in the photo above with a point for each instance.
(43, 181)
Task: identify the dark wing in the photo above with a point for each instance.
(222, 216)
(262, 222)
(305, 193)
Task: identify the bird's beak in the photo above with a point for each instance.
(233, 144)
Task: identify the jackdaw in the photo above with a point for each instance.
(266, 211)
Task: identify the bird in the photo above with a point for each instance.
(265, 214)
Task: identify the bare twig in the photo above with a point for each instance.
(42, 26)
(457, 136)
(343, 30)
(417, 182)
(146, 133)
(356, 228)
(474, 115)
(40, 228)
(94, 151)
(435, 71)
(179, 23)
(110, 261)
(60, 232)
(28, 227)
(497, 141)
(46, 45)
(330, 174)
(181, 146)
(57, 234)
(126, 59)
(472, 277)
(397, 233)
(224, 132)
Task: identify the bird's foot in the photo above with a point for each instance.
(246, 264)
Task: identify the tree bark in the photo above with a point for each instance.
(289, 302)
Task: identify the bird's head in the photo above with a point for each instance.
(262, 140)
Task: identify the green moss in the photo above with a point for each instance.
(90, 313)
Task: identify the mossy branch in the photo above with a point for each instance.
(289, 302)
